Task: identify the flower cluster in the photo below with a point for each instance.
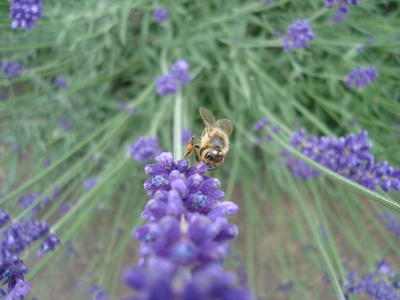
(144, 149)
(348, 156)
(160, 15)
(66, 124)
(90, 183)
(392, 224)
(361, 77)
(382, 283)
(25, 13)
(299, 36)
(185, 238)
(260, 124)
(11, 70)
(342, 8)
(26, 200)
(178, 75)
(60, 83)
(16, 238)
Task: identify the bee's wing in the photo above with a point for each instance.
(208, 118)
(225, 125)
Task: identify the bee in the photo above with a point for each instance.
(213, 145)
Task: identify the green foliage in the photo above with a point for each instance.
(112, 51)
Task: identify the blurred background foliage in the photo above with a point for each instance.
(306, 234)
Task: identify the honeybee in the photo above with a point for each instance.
(213, 145)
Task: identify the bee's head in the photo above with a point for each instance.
(213, 158)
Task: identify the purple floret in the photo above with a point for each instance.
(144, 149)
(166, 85)
(160, 15)
(299, 36)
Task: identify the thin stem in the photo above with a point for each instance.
(178, 127)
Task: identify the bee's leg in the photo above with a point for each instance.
(196, 149)
(213, 168)
(194, 137)
(188, 154)
(191, 146)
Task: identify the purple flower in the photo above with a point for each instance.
(160, 15)
(133, 110)
(15, 239)
(166, 85)
(46, 163)
(60, 82)
(26, 200)
(286, 286)
(122, 105)
(178, 75)
(16, 148)
(66, 124)
(156, 281)
(361, 77)
(299, 168)
(180, 71)
(384, 268)
(299, 36)
(98, 293)
(348, 156)
(260, 124)
(21, 289)
(49, 244)
(65, 207)
(90, 183)
(342, 8)
(376, 285)
(392, 223)
(144, 149)
(4, 218)
(13, 70)
(339, 17)
(25, 13)
(185, 238)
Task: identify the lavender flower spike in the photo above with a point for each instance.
(160, 15)
(299, 36)
(342, 8)
(185, 238)
(60, 82)
(180, 71)
(144, 149)
(361, 77)
(25, 13)
(90, 183)
(348, 156)
(13, 70)
(166, 85)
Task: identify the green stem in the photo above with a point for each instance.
(178, 127)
